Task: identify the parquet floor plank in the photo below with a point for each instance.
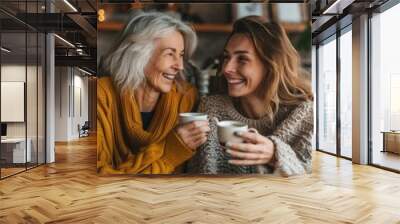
(70, 191)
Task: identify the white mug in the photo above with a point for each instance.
(227, 129)
(189, 117)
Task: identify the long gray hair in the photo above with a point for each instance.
(127, 60)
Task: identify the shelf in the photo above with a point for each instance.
(213, 27)
(204, 27)
(294, 27)
(110, 26)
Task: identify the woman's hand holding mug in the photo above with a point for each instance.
(255, 150)
(193, 129)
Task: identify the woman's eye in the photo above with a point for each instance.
(243, 59)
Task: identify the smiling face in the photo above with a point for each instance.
(242, 67)
(166, 62)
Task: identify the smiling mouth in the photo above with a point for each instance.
(236, 81)
(170, 77)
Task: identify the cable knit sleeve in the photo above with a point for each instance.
(292, 140)
(205, 160)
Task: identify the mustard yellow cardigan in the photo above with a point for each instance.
(122, 144)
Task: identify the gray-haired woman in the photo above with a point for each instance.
(139, 102)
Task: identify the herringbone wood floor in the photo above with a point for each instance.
(70, 191)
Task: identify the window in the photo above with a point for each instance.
(327, 96)
(346, 93)
(385, 88)
(22, 77)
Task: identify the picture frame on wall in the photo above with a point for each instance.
(290, 12)
(241, 10)
(167, 153)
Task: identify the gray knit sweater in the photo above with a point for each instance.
(291, 133)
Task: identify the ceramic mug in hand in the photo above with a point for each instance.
(227, 129)
(189, 117)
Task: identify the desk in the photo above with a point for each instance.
(13, 150)
(391, 141)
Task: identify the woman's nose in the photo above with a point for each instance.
(228, 66)
(179, 63)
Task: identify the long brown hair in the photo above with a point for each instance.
(282, 83)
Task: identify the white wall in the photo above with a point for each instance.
(71, 94)
(61, 103)
(14, 73)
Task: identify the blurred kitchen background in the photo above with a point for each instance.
(212, 23)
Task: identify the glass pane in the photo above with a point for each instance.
(289, 12)
(386, 89)
(31, 97)
(22, 79)
(13, 86)
(32, 86)
(327, 97)
(314, 89)
(346, 94)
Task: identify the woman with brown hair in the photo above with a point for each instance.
(261, 70)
